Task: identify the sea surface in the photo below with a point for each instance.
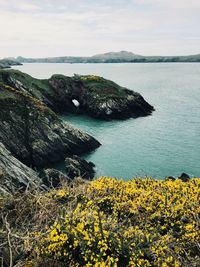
(166, 143)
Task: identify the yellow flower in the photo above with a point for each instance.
(137, 222)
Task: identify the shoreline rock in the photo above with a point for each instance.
(184, 177)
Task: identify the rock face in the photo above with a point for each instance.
(77, 167)
(34, 134)
(94, 95)
(14, 175)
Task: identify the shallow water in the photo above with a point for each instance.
(166, 143)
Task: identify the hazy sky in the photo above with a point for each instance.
(39, 28)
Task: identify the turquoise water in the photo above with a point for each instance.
(166, 143)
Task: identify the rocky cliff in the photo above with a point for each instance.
(14, 175)
(34, 134)
(91, 95)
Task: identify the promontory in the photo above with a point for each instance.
(89, 94)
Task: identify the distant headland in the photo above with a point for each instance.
(8, 62)
(111, 57)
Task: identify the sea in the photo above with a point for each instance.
(166, 143)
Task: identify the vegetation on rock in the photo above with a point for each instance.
(105, 222)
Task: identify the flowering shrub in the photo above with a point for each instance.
(111, 223)
(91, 78)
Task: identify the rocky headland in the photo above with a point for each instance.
(8, 63)
(33, 136)
(91, 95)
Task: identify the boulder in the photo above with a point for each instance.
(184, 177)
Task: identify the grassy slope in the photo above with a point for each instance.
(93, 82)
(35, 86)
(40, 87)
(8, 92)
(102, 87)
(105, 223)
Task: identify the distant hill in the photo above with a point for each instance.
(112, 57)
(116, 57)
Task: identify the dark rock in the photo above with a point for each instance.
(54, 178)
(34, 134)
(170, 178)
(14, 175)
(184, 177)
(96, 96)
(77, 167)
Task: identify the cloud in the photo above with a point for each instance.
(22, 5)
(53, 28)
(171, 3)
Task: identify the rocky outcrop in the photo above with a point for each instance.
(93, 95)
(34, 134)
(100, 98)
(184, 177)
(77, 167)
(14, 175)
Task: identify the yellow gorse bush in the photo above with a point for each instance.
(91, 78)
(141, 222)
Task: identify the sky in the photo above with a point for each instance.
(48, 28)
